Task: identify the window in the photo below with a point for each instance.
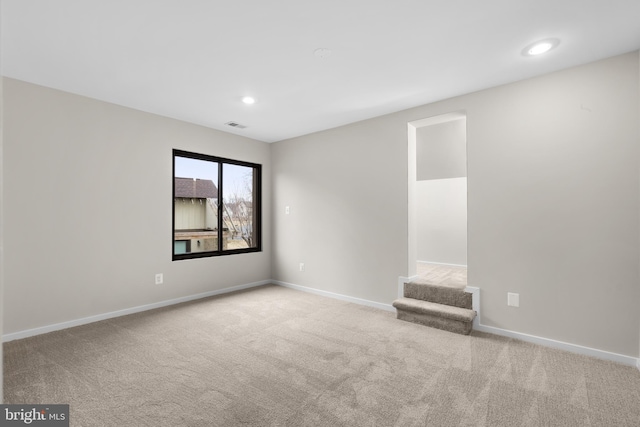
(216, 206)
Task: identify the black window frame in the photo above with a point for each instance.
(256, 205)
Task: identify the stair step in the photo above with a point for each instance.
(443, 310)
(441, 316)
(441, 294)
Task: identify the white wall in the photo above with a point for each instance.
(441, 192)
(442, 220)
(81, 173)
(441, 150)
(553, 204)
(1, 222)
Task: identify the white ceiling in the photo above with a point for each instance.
(195, 59)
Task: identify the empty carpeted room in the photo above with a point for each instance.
(211, 212)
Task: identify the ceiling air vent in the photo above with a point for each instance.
(236, 125)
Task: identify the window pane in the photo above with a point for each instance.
(238, 213)
(203, 225)
(195, 206)
(180, 246)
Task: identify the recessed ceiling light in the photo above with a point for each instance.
(248, 100)
(540, 47)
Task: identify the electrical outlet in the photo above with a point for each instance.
(513, 300)
(302, 266)
(159, 279)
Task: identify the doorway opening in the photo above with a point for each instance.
(437, 174)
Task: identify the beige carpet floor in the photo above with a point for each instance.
(273, 356)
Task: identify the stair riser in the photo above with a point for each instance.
(450, 325)
(438, 294)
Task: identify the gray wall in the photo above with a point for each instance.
(553, 204)
(346, 190)
(88, 196)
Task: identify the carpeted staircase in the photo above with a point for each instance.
(438, 306)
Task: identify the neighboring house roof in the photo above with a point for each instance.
(195, 188)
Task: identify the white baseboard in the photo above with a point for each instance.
(546, 342)
(360, 301)
(441, 263)
(560, 345)
(477, 325)
(104, 316)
